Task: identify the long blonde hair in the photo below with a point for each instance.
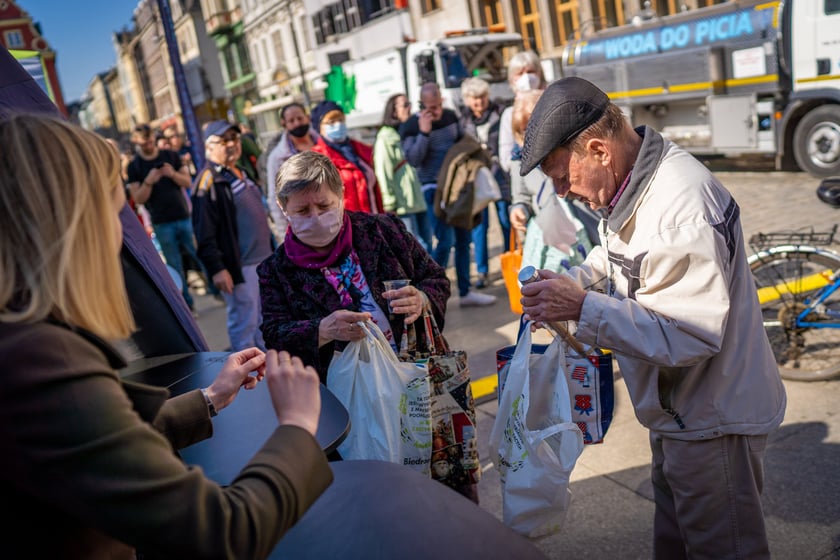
(523, 106)
(57, 242)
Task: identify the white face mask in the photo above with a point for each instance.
(527, 82)
(318, 231)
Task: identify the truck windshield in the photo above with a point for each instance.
(484, 60)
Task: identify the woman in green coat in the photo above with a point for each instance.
(397, 179)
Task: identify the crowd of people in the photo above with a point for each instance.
(300, 256)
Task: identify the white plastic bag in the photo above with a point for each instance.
(559, 227)
(536, 442)
(486, 190)
(388, 402)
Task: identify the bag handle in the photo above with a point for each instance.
(515, 244)
(435, 342)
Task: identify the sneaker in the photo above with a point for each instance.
(474, 299)
(482, 282)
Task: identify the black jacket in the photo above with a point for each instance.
(214, 222)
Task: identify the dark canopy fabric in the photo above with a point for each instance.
(20, 93)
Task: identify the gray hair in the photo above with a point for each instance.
(475, 88)
(307, 171)
(525, 59)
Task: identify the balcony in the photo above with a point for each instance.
(221, 22)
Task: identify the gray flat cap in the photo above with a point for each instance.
(566, 108)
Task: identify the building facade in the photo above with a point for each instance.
(225, 26)
(280, 47)
(23, 38)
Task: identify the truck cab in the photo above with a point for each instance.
(741, 77)
(363, 86)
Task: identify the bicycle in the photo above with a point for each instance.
(798, 284)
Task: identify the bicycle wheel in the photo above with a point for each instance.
(785, 277)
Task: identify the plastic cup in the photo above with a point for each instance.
(395, 285)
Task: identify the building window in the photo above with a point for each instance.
(244, 60)
(14, 39)
(339, 19)
(372, 9)
(429, 6)
(607, 13)
(528, 15)
(565, 21)
(255, 57)
(277, 42)
(269, 63)
(491, 12)
(319, 33)
(662, 7)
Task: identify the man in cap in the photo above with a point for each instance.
(158, 179)
(670, 292)
(231, 225)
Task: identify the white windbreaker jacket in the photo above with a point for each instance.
(671, 293)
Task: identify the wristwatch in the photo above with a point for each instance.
(210, 406)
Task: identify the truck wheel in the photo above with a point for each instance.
(816, 142)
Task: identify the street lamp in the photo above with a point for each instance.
(187, 113)
(303, 87)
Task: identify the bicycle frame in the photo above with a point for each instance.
(814, 302)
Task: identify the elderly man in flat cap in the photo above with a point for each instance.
(231, 225)
(670, 292)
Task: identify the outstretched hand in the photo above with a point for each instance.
(236, 374)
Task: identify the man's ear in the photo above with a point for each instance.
(599, 150)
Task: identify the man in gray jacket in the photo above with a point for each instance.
(670, 292)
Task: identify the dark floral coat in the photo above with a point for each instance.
(295, 299)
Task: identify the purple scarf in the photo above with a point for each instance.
(304, 256)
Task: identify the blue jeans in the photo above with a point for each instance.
(244, 312)
(447, 236)
(479, 234)
(172, 236)
(417, 225)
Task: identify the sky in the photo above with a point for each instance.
(80, 32)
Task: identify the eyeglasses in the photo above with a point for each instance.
(225, 140)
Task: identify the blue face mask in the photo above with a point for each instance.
(336, 132)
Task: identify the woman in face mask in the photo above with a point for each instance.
(524, 74)
(353, 159)
(297, 136)
(329, 273)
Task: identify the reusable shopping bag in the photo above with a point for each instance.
(535, 441)
(388, 402)
(511, 262)
(590, 380)
(454, 452)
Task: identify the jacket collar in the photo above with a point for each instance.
(647, 162)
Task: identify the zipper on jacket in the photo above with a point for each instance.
(668, 379)
(676, 416)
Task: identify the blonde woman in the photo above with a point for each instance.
(89, 468)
